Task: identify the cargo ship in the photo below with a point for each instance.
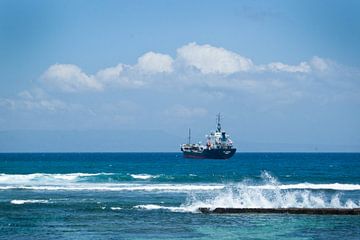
(218, 145)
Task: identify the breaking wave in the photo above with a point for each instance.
(128, 182)
(115, 208)
(19, 202)
(158, 207)
(46, 177)
(267, 192)
(174, 187)
(270, 194)
(311, 186)
(86, 177)
(143, 176)
(119, 187)
(244, 197)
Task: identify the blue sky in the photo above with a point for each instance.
(281, 72)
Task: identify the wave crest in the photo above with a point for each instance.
(19, 202)
(120, 187)
(45, 177)
(143, 176)
(272, 194)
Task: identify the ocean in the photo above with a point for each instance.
(157, 195)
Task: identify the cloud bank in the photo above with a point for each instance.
(213, 60)
(70, 78)
(194, 65)
(155, 63)
(203, 73)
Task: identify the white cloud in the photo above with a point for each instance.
(35, 99)
(70, 78)
(25, 94)
(303, 67)
(119, 76)
(34, 93)
(319, 63)
(202, 67)
(209, 59)
(110, 74)
(50, 105)
(155, 63)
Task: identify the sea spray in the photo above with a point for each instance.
(242, 195)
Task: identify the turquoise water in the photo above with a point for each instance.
(156, 195)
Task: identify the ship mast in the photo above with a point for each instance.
(189, 136)
(218, 123)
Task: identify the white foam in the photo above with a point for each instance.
(267, 193)
(270, 194)
(326, 186)
(273, 195)
(259, 199)
(115, 208)
(44, 177)
(73, 181)
(143, 176)
(174, 187)
(149, 206)
(255, 198)
(157, 207)
(17, 202)
(119, 187)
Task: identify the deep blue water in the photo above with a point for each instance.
(156, 195)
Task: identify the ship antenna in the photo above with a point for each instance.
(189, 136)
(218, 123)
